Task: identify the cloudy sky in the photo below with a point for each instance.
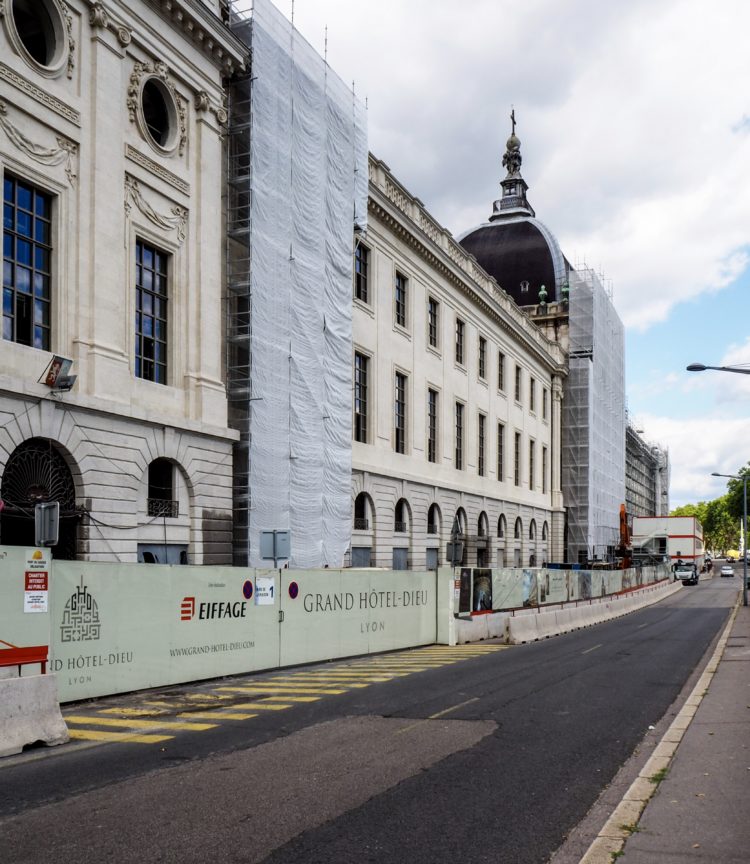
(634, 120)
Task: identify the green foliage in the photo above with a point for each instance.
(721, 517)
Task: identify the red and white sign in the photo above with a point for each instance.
(36, 591)
(187, 608)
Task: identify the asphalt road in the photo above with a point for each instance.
(494, 758)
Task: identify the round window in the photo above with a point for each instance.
(155, 113)
(40, 31)
(159, 114)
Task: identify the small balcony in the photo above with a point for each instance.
(163, 508)
(361, 524)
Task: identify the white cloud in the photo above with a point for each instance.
(698, 447)
(635, 130)
(634, 125)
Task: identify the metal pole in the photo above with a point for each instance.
(744, 551)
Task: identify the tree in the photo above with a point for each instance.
(734, 493)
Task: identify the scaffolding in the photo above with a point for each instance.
(593, 426)
(296, 172)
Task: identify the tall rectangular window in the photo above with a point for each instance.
(361, 369)
(544, 470)
(482, 357)
(460, 334)
(532, 394)
(481, 435)
(151, 267)
(532, 467)
(459, 460)
(27, 253)
(544, 403)
(399, 440)
(500, 452)
(517, 394)
(400, 298)
(432, 425)
(361, 266)
(517, 460)
(501, 371)
(433, 321)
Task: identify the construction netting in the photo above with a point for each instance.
(307, 182)
(593, 425)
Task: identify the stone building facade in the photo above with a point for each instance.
(456, 402)
(111, 124)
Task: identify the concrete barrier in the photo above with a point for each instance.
(474, 629)
(527, 627)
(30, 712)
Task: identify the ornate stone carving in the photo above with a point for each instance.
(176, 220)
(100, 17)
(65, 151)
(159, 70)
(156, 169)
(203, 103)
(71, 41)
(44, 98)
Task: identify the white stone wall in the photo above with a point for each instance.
(75, 129)
(402, 237)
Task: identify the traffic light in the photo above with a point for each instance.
(46, 523)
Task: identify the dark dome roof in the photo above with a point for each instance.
(517, 250)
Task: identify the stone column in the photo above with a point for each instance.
(557, 528)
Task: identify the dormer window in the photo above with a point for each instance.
(524, 287)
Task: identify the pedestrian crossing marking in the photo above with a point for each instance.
(137, 724)
(127, 737)
(134, 712)
(279, 692)
(270, 687)
(217, 715)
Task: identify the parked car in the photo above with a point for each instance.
(727, 570)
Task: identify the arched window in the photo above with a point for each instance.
(433, 519)
(482, 525)
(401, 516)
(501, 529)
(518, 530)
(532, 560)
(461, 517)
(532, 530)
(161, 498)
(544, 531)
(362, 512)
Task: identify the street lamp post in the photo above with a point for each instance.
(744, 528)
(700, 367)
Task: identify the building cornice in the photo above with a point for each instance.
(407, 218)
(207, 31)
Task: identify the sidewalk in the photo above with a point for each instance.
(700, 811)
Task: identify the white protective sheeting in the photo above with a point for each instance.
(593, 428)
(308, 158)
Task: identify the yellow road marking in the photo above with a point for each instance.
(267, 687)
(438, 714)
(589, 650)
(137, 724)
(350, 672)
(206, 697)
(218, 714)
(263, 706)
(92, 735)
(282, 697)
(332, 680)
(134, 712)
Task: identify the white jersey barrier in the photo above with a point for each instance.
(29, 707)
